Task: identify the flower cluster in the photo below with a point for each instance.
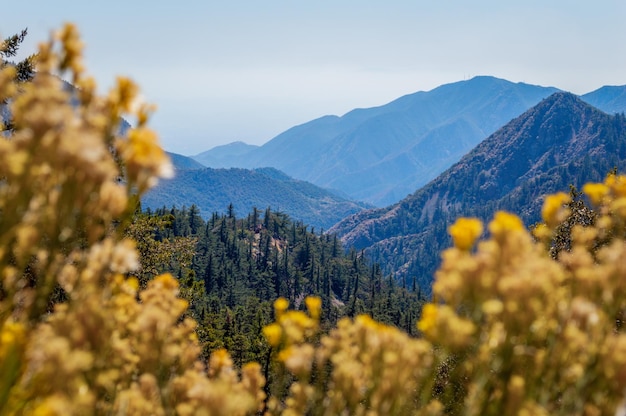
(544, 339)
(376, 369)
(510, 331)
(77, 335)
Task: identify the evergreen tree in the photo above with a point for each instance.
(24, 71)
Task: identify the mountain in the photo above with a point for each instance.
(610, 99)
(212, 190)
(225, 155)
(184, 162)
(560, 141)
(381, 154)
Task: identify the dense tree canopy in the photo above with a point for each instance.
(241, 265)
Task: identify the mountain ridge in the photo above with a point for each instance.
(609, 98)
(365, 153)
(560, 141)
(383, 153)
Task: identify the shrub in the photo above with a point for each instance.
(69, 188)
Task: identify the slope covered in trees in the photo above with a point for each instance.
(241, 265)
(560, 142)
(213, 190)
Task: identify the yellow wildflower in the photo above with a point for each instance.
(280, 306)
(12, 336)
(297, 325)
(298, 358)
(504, 222)
(619, 206)
(552, 206)
(166, 281)
(145, 160)
(596, 192)
(125, 93)
(492, 307)
(429, 318)
(220, 363)
(314, 306)
(617, 183)
(72, 50)
(542, 232)
(465, 231)
(273, 334)
(133, 283)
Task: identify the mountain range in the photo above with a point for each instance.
(381, 154)
(562, 141)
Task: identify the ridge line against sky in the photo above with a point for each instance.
(247, 70)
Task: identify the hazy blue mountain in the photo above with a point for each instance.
(610, 99)
(225, 156)
(184, 162)
(212, 190)
(381, 154)
(560, 141)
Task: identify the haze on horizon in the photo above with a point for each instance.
(226, 71)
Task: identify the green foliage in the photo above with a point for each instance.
(157, 256)
(241, 265)
(25, 69)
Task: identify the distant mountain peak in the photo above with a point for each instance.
(220, 156)
(610, 98)
(561, 141)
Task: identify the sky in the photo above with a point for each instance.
(229, 70)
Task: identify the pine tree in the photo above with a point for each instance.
(24, 71)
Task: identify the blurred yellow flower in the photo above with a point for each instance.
(596, 192)
(428, 321)
(314, 306)
(12, 336)
(504, 222)
(552, 206)
(617, 183)
(273, 334)
(465, 231)
(280, 306)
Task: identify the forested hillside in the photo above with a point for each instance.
(560, 142)
(213, 190)
(241, 265)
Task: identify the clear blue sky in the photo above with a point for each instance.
(222, 71)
